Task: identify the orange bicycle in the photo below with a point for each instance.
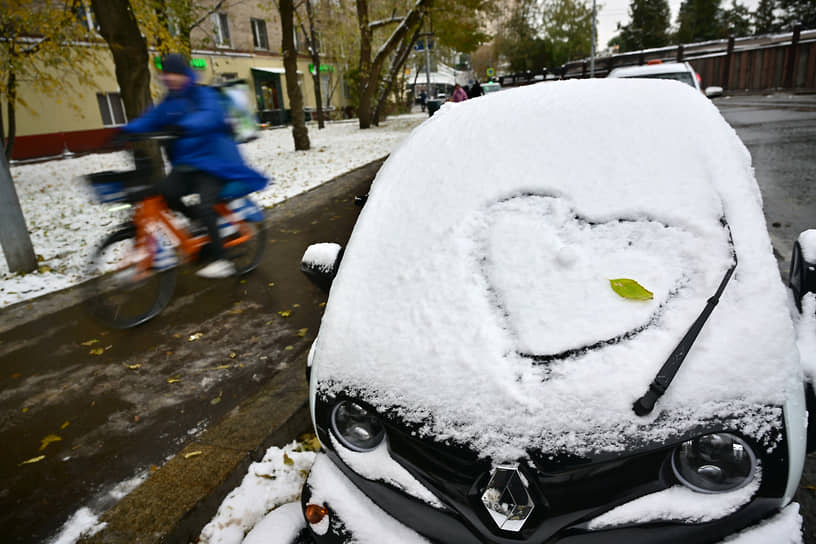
(137, 264)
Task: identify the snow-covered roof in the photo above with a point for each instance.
(479, 271)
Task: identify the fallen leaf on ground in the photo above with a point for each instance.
(217, 399)
(285, 313)
(51, 438)
(97, 351)
(195, 336)
(137, 366)
(233, 355)
(90, 342)
(309, 442)
(32, 460)
(193, 454)
(302, 332)
(65, 424)
(222, 367)
(174, 379)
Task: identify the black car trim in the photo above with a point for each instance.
(453, 474)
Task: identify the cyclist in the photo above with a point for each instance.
(204, 155)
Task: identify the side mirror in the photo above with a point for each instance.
(802, 274)
(713, 92)
(320, 263)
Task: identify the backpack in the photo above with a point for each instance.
(240, 117)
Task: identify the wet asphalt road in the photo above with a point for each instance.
(155, 387)
(101, 420)
(780, 133)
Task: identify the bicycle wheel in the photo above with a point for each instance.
(124, 295)
(247, 256)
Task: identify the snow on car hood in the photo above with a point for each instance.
(474, 299)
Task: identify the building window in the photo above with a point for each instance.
(259, 39)
(111, 109)
(221, 29)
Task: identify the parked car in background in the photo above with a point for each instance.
(525, 345)
(677, 71)
(491, 87)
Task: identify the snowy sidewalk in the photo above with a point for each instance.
(65, 224)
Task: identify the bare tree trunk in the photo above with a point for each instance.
(370, 69)
(299, 131)
(11, 112)
(314, 49)
(364, 106)
(14, 238)
(397, 62)
(119, 27)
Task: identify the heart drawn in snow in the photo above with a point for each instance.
(549, 272)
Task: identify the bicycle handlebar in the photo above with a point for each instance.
(159, 135)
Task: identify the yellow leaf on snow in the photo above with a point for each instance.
(628, 288)
(287, 460)
(51, 438)
(32, 460)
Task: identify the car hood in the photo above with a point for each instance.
(474, 298)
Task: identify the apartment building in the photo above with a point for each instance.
(242, 41)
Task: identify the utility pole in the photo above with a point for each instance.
(592, 54)
(14, 237)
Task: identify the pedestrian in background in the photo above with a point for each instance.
(475, 90)
(459, 94)
(422, 98)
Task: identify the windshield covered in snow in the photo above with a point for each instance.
(484, 255)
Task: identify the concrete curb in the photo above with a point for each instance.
(179, 498)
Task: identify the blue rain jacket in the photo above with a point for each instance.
(207, 142)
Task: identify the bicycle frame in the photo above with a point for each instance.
(152, 214)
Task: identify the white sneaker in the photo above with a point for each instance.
(221, 268)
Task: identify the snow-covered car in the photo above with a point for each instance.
(677, 71)
(548, 327)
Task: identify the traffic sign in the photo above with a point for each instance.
(491, 72)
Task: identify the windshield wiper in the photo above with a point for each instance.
(645, 404)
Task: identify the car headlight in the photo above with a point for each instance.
(356, 427)
(714, 463)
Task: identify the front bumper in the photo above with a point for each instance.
(354, 514)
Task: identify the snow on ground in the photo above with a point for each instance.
(272, 482)
(65, 224)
